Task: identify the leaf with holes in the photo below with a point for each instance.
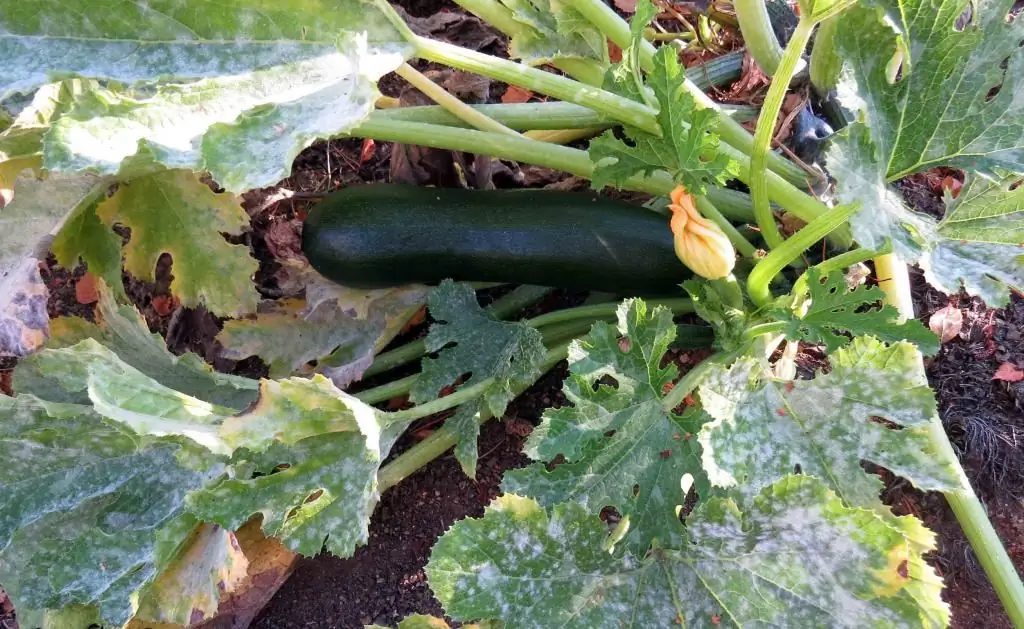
(174, 212)
(551, 30)
(508, 353)
(795, 557)
(957, 103)
(87, 494)
(830, 309)
(241, 79)
(621, 448)
(872, 406)
(341, 328)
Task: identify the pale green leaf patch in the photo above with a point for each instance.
(621, 448)
(553, 30)
(474, 345)
(122, 330)
(796, 557)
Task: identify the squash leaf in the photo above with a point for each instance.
(835, 309)
(957, 102)
(341, 328)
(764, 429)
(551, 30)
(29, 224)
(797, 556)
(174, 212)
(621, 448)
(91, 496)
(687, 136)
(242, 79)
(474, 345)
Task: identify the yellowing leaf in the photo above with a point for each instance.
(210, 564)
(174, 212)
(85, 237)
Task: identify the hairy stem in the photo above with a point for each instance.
(444, 438)
(760, 278)
(453, 105)
(758, 35)
(604, 18)
(622, 109)
(895, 281)
(766, 128)
(551, 116)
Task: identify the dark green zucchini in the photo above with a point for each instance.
(380, 235)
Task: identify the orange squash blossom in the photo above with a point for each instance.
(699, 243)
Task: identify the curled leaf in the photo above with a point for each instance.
(946, 322)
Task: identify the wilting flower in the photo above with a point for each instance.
(700, 244)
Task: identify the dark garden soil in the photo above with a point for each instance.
(384, 581)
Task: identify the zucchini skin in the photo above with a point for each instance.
(382, 235)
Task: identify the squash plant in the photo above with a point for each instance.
(739, 490)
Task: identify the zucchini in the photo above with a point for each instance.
(381, 235)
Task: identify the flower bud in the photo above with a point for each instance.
(700, 244)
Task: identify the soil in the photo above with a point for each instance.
(384, 581)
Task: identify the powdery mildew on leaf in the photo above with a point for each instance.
(122, 330)
(648, 447)
(483, 348)
(687, 132)
(981, 239)
(174, 212)
(835, 309)
(959, 101)
(91, 510)
(249, 79)
(552, 30)
(210, 565)
(797, 558)
(764, 429)
(341, 328)
(322, 492)
(28, 225)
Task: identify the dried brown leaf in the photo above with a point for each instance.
(946, 322)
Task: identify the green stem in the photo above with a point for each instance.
(445, 437)
(841, 262)
(548, 116)
(616, 29)
(453, 105)
(758, 35)
(766, 128)
(708, 209)
(895, 281)
(606, 310)
(622, 109)
(389, 390)
(760, 278)
(693, 378)
(826, 64)
(570, 160)
(440, 404)
(772, 327)
(502, 308)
